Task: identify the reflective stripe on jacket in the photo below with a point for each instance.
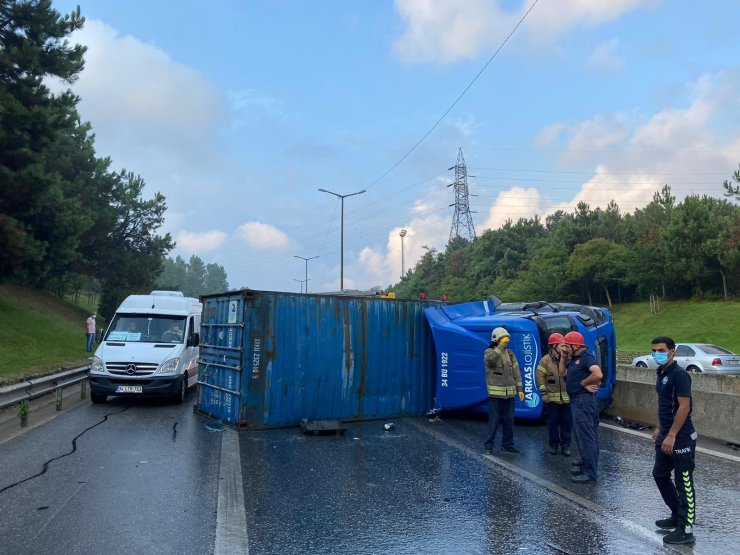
(550, 383)
(503, 378)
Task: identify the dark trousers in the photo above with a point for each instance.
(679, 493)
(500, 411)
(585, 411)
(90, 341)
(559, 425)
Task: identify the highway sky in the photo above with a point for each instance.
(239, 111)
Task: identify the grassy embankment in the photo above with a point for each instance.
(39, 334)
(715, 322)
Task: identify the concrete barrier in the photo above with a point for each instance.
(716, 401)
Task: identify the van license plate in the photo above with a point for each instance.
(128, 389)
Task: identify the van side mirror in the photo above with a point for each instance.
(194, 340)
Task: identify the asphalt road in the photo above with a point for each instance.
(122, 477)
(147, 477)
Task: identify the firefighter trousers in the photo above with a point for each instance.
(500, 411)
(559, 425)
(678, 494)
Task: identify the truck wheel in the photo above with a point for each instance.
(179, 397)
(98, 397)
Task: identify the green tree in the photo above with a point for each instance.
(692, 239)
(646, 257)
(131, 254)
(173, 274)
(600, 263)
(733, 190)
(40, 223)
(216, 280)
(193, 278)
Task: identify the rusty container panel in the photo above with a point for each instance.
(271, 359)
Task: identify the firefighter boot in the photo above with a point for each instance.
(667, 523)
(681, 535)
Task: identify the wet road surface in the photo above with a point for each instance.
(147, 477)
(427, 488)
(142, 480)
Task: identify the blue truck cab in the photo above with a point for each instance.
(462, 332)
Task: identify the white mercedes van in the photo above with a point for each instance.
(149, 349)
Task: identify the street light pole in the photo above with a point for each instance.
(403, 261)
(306, 259)
(301, 282)
(341, 248)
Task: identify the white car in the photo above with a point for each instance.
(698, 357)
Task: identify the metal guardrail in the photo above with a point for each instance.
(29, 390)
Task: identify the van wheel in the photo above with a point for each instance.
(98, 397)
(179, 397)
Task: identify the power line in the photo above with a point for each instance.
(465, 90)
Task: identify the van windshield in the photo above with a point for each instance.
(147, 328)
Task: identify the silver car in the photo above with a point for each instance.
(698, 357)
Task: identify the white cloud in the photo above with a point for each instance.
(129, 82)
(549, 134)
(446, 31)
(550, 20)
(634, 155)
(629, 190)
(192, 242)
(375, 266)
(513, 204)
(605, 58)
(262, 236)
(422, 233)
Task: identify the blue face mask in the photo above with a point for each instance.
(660, 358)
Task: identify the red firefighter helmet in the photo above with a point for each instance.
(574, 338)
(556, 339)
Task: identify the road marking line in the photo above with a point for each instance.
(231, 519)
(636, 529)
(704, 450)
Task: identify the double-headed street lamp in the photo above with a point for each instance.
(301, 282)
(306, 259)
(341, 248)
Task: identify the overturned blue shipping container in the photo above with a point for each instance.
(270, 359)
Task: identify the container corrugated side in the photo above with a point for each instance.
(315, 357)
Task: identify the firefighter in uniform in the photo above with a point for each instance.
(583, 376)
(504, 382)
(552, 389)
(675, 444)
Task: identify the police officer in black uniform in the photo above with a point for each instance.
(582, 378)
(675, 444)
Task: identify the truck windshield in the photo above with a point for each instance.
(554, 324)
(147, 328)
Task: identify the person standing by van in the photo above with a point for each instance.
(675, 444)
(90, 328)
(552, 389)
(504, 382)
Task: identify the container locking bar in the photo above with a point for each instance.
(237, 393)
